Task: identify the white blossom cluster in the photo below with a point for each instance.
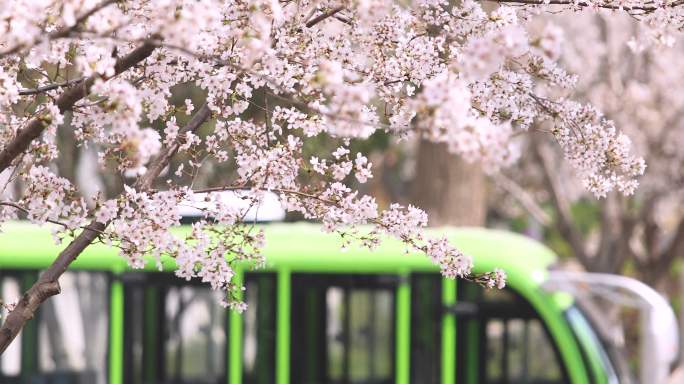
(140, 225)
(641, 96)
(275, 75)
(52, 198)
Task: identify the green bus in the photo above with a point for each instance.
(315, 315)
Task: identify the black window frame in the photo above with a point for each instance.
(518, 309)
(160, 281)
(324, 280)
(269, 375)
(417, 374)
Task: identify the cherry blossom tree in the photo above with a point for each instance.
(633, 84)
(276, 75)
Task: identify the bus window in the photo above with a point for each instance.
(518, 351)
(194, 347)
(504, 340)
(342, 329)
(426, 332)
(73, 330)
(67, 342)
(174, 332)
(259, 334)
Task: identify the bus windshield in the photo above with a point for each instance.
(634, 321)
(595, 355)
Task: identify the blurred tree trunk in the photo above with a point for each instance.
(69, 152)
(56, 340)
(451, 190)
(89, 288)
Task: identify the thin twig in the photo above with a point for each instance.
(50, 87)
(26, 211)
(62, 32)
(524, 198)
(163, 159)
(583, 4)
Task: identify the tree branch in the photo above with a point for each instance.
(65, 102)
(48, 284)
(523, 198)
(22, 209)
(61, 32)
(324, 16)
(623, 249)
(564, 221)
(583, 4)
(163, 159)
(50, 87)
(675, 248)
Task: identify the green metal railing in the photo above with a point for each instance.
(283, 328)
(403, 331)
(235, 340)
(448, 334)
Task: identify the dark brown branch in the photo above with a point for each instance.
(50, 87)
(163, 159)
(323, 16)
(476, 278)
(283, 94)
(48, 284)
(277, 190)
(65, 102)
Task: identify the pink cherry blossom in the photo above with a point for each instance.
(273, 76)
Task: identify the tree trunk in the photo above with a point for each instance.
(58, 351)
(451, 190)
(69, 152)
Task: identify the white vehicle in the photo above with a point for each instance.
(602, 297)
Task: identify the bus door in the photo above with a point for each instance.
(500, 338)
(343, 328)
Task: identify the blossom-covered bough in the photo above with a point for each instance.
(275, 75)
(635, 86)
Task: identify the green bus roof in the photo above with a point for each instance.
(302, 247)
